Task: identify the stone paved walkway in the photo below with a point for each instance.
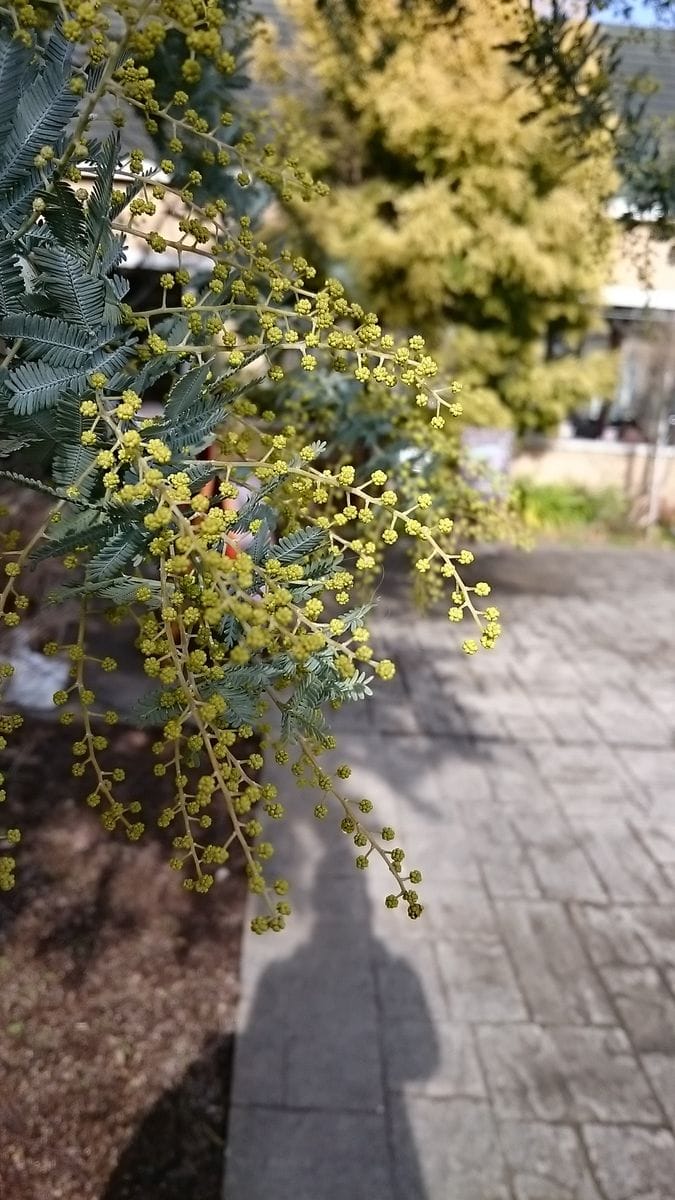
(517, 1043)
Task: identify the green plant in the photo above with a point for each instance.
(560, 506)
(217, 530)
(556, 46)
(382, 433)
(456, 207)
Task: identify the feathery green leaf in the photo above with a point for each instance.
(12, 285)
(42, 114)
(296, 546)
(14, 59)
(121, 549)
(79, 295)
(57, 342)
(186, 392)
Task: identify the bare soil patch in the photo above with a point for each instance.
(117, 994)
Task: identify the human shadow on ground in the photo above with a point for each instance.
(337, 1036)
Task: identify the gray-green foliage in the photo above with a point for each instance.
(238, 565)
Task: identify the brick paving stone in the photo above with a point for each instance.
(509, 877)
(636, 935)
(660, 1069)
(565, 1074)
(609, 670)
(646, 1006)
(490, 677)
(394, 712)
(565, 718)
(559, 679)
(658, 690)
(525, 727)
(668, 872)
(653, 769)
(415, 993)
(310, 1027)
(395, 716)
(547, 1162)
(443, 1065)
(456, 1155)
(457, 769)
(629, 723)
(560, 986)
(480, 982)
(481, 723)
(294, 1155)
(514, 777)
(487, 826)
(458, 910)
(431, 776)
(656, 926)
(446, 855)
(439, 720)
(626, 870)
(611, 934)
(580, 779)
(656, 832)
(632, 1164)
(563, 870)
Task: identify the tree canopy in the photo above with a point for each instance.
(456, 204)
(236, 547)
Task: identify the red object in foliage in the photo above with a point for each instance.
(209, 490)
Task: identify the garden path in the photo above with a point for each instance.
(518, 1041)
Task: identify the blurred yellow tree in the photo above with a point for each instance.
(456, 206)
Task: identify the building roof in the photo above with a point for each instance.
(647, 55)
